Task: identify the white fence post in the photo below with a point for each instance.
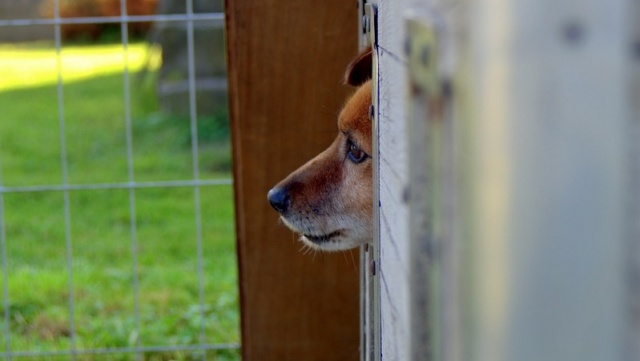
(524, 196)
(548, 116)
(510, 198)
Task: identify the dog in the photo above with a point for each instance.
(329, 199)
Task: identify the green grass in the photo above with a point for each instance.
(99, 229)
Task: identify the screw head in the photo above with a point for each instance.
(573, 32)
(366, 24)
(635, 49)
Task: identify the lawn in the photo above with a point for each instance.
(100, 220)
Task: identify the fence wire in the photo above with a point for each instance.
(215, 20)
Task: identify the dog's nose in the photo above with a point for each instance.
(279, 199)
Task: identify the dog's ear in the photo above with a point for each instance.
(359, 70)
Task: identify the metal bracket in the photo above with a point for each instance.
(369, 23)
(362, 34)
(371, 265)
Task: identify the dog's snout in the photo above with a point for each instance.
(279, 199)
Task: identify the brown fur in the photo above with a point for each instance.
(328, 200)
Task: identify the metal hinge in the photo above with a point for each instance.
(371, 260)
(369, 23)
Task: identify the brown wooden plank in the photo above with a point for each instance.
(286, 60)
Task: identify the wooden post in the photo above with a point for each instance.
(286, 61)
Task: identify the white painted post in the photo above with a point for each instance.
(525, 242)
(532, 193)
(548, 118)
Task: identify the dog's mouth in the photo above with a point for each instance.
(322, 238)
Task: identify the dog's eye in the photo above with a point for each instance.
(354, 153)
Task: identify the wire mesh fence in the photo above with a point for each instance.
(110, 228)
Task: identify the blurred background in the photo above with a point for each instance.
(116, 204)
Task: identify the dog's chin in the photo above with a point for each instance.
(329, 242)
(338, 240)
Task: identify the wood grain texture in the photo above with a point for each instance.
(394, 216)
(395, 287)
(286, 61)
(394, 237)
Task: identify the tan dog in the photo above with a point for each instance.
(329, 199)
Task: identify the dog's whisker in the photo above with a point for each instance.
(345, 257)
(303, 249)
(279, 223)
(353, 260)
(313, 252)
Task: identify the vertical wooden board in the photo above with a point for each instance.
(286, 61)
(394, 225)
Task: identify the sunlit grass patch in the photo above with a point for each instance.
(30, 66)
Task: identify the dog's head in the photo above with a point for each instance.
(329, 199)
